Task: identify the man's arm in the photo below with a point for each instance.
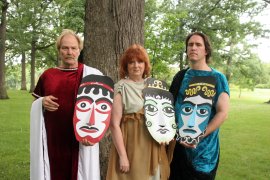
(222, 108)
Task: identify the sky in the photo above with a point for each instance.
(263, 48)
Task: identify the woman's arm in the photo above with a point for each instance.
(117, 135)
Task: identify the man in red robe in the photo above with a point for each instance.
(57, 90)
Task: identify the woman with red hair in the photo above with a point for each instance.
(135, 154)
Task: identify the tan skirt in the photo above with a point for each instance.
(144, 153)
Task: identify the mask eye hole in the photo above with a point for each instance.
(103, 107)
(150, 109)
(84, 105)
(168, 111)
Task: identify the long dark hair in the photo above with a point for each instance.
(207, 44)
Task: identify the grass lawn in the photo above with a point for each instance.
(14, 136)
(245, 147)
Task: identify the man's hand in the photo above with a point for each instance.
(49, 103)
(193, 146)
(87, 143)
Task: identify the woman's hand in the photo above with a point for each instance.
(124, 164)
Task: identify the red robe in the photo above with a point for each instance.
(63, 147)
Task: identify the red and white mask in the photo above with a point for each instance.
(93, 107)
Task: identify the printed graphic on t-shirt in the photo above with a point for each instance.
(195, 110)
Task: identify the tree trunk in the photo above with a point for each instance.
(111, 27)
(23, 73)
(182, 62)
(228, 72)
(240, 92)
(33, 64)
(3, 90)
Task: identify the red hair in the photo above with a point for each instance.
(138, 52)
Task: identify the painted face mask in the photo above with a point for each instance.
(195, 110)
(159, 110)
(93, 107)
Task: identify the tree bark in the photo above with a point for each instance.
(229, 62)
(3, 90)
(23, 73)
(111, 27)
(33, 64)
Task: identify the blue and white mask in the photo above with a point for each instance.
(195, 110)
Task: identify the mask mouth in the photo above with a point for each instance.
(163, 131)
(189, 139)
(191, 131)
(89, 129)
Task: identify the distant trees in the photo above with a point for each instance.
(32, 30)
(228, 23)
(32, 27)
(4, 7)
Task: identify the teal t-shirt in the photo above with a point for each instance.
(205, 156)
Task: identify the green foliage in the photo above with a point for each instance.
(265, 76)
(247, 73)
(167, 23)
(35, 25)
(41, 22)
(13, 75)
(263, 86)
(264, 79)
(31, 24)
(74, 15)
(164, 39)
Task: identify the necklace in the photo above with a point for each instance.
(136, 81)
